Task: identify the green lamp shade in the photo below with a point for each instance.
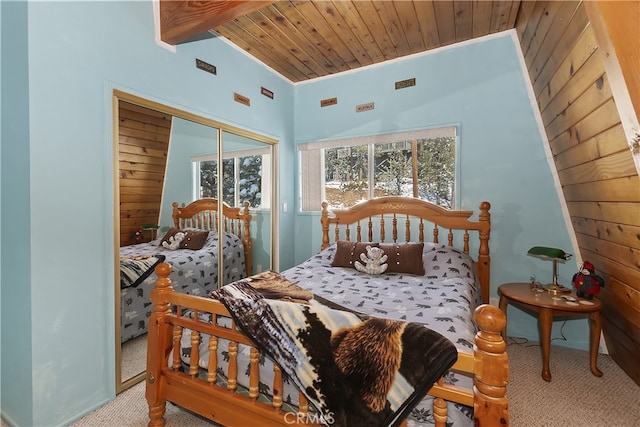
(548, 253)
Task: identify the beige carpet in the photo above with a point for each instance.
(129, 409)
(134, 357)
(574, 397)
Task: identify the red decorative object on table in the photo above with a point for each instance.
(586, 282)
(138, 236)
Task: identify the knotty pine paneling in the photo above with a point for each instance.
(626, 350)
(304, 40)
(615, 212)
(622, 292)
(600, 169)
(622, 18)
(578, 57)
(609, 142)
(625, 334)
(615, 190)
(595, 167)
(142, 149)
(623, 273)
(597, 122)
(622, 234)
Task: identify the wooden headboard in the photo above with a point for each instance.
(388, 218)
(203, 214)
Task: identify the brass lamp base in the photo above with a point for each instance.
(555, 289)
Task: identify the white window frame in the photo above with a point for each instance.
(236, 155)
(311, 160)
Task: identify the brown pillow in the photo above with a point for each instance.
(404, 257)
(194, 239)
(170, 232)
(349, 252)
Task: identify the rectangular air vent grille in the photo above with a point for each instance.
(206, 67)
(405, 83)
(364, 107)
(241, 99)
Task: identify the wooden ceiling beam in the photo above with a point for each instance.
(181, 21)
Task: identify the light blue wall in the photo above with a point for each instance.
(187, 139)
(15, 294)
(61, 181)
(57, 189)
(480, 88)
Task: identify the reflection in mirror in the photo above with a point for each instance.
(246, 177)
(143, 140)
(161, 156)
(249, 164)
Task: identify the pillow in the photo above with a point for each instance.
(170, 232)
(194, 239)
(404, 258)
(349, 252)
(445, 261)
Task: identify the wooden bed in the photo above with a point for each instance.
(387, 219)
(193, 271)
(203, 214)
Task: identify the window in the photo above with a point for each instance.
(245, 177)
(343, 172)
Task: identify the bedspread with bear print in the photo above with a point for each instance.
(356, 370)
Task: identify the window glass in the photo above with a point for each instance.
(346, 175)
(250, 179)
(243, 179)
(416, 164)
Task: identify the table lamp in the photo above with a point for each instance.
(554, 255)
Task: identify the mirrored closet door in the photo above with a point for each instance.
(163, 156)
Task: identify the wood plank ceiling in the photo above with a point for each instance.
(304, 40)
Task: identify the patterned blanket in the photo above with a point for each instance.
(355, 370)
(134, 270)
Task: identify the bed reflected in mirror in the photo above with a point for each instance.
(165, 161)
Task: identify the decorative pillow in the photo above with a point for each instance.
(347, 253)
(170, 232)
(194, 239)
(404, 258)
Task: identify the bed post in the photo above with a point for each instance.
(491, 368)
(246, 240)
(324, 219)
(158, 343)
(484, 260)
(175, 214)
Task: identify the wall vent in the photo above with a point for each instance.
(328, 101)
(206, 67)
(241, 99)
(364, 107)
(405, 83)
(266, 92)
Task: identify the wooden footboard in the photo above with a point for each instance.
(231, 405)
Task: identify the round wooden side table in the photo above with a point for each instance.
(547, 306)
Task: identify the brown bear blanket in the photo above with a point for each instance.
(355, 370)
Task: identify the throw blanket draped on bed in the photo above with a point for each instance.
(354, 369)
(134, 270)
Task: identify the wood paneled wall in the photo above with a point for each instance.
(593, 158)
(143, 146)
